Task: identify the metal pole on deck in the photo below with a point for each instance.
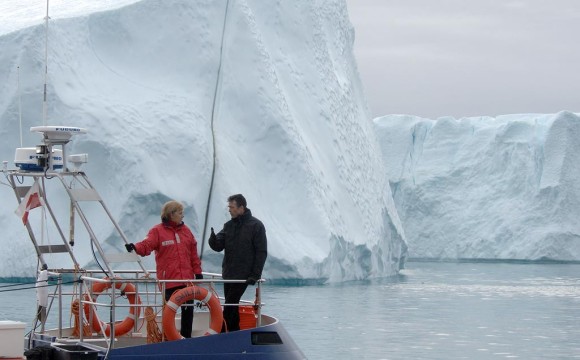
(112, 313)
(60, 306)
(258, 303)
(81, 310)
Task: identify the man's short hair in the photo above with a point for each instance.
(239, 199)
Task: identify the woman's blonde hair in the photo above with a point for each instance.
(169, 208)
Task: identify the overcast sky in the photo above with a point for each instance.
(468, 57)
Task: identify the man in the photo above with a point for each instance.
(244, 242)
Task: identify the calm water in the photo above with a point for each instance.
(430, 311)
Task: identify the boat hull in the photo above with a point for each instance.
(270, 342)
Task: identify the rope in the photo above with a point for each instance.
(213, 115)
(153, 333)
(75, 310)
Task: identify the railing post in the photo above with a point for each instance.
(81, 311)
(163, 302)
(259, 303)
(112, 314)
(60, 305)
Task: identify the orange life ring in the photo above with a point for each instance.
(122, 327)
(186, 294)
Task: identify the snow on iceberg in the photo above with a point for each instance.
(486, 188)
(278, 84)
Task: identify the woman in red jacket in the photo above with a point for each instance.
(176, 256)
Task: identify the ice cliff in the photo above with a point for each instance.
(486, 188)
(278, 84)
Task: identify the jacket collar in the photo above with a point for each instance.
(171, 224)
(245, 216)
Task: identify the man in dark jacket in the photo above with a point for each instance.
(244, 240)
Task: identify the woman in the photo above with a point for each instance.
(175, 256)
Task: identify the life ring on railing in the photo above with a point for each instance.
(189, 293)
(122, 327)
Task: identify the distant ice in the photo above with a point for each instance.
(486, 188)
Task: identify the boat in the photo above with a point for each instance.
(115, 304)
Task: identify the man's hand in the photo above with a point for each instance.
(130, 247)
(251, 281)
(212, 236)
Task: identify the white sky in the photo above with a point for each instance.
(468, 57)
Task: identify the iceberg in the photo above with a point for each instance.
(486, 188)
(200, 100)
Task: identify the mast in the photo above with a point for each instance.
(44, 102)
(19, 105)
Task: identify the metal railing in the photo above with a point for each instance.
(86, 296)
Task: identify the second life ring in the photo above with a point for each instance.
(122, 327)
(189, 293)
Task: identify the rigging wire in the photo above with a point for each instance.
(35, 287)
(213, 116)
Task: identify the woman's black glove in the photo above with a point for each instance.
(198, 276)
(129, 247)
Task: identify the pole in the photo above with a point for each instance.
(19, 104)
(44, 103)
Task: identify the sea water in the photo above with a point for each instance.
(430, 311)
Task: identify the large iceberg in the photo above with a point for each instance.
(486, 188)
(273, 87)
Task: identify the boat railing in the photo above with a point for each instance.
(150, 292)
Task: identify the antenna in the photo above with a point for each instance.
(44, 104)
(19, 103)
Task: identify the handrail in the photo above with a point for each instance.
(87, 280)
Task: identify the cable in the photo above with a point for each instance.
(213, 111)
(18, 284)
(97, 260)
(40, 286)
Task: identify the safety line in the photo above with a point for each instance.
(213, 115)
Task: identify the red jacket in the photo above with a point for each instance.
(175, 252)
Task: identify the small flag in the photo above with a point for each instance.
(31, 200)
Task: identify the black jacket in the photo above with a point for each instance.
(245, 244)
